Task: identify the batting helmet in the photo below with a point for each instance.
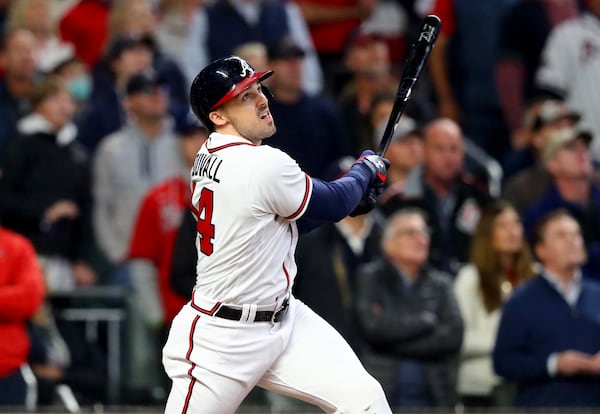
(219, 82)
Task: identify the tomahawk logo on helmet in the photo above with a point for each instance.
(219, 82)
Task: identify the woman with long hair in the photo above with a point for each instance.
(500, 259)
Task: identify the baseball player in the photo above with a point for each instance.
(242, 327)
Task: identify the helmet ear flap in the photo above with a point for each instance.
(267, 92)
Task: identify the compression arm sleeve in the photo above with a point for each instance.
(332, 201)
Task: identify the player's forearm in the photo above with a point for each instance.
(332, 201)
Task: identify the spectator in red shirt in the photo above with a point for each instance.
(21, 294)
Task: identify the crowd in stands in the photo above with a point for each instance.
(451, 293)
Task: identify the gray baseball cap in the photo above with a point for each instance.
(562, 137)
(551, 111)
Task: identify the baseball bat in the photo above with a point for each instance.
(418, 53)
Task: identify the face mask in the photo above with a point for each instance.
(80, 88)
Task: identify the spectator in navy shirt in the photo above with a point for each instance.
(549, 335)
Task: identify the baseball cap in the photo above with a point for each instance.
(562, 137)
(285, 48)
(407, 126)
(144, 82)
(123, 42)
(551, 111)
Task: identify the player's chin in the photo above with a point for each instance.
(271, 128)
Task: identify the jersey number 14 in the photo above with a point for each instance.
(204, 225)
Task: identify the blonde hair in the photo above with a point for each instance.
(119, 15)
(18, 10)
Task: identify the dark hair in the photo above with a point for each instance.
(542, 224)
(487, 263)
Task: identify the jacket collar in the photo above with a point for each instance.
(35, 124)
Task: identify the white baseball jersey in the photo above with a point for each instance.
(571, 64)
(245, 199)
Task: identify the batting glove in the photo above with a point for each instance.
(368, 202)
(377, 165)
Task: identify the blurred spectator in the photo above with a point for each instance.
(549, 335)
(309, 128)
(567, 158)
(223, 25)
(164, 205)
(126, 56)
(523, 32)
(36, 16)
(21, 294)
(451, 199)
(151, 251)
(527, 176)
(499, 261)
(571, 67)
(367, 58)
(328, 259)
(410, 318)
(183, 269)
(331, 22)
(255, 53)
(391, 20)
(128, 163)
(45, 189)
(19, 80)
(462, 69)
(73, 72)
(4, 8)
(137, 19)
(174, 29)
(405, 150)
(49, 356)
(85, 25)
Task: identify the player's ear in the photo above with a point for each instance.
(217, 118)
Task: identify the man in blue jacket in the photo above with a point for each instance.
(548, 341)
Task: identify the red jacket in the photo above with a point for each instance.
(154, 236)
(21, 294)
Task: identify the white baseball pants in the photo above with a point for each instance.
(214, 363)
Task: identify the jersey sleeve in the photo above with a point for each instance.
(554, 73)
(282, 188)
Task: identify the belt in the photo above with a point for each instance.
(227, 312)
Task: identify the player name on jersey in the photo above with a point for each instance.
(207, 165)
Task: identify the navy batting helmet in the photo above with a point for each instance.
(219, 82)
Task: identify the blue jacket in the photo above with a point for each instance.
(536, 322)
